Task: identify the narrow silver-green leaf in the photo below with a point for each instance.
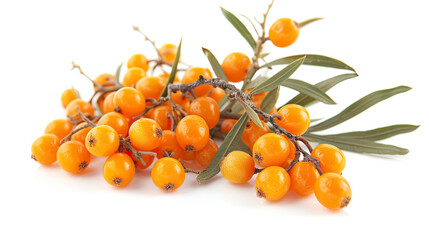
(251, 113)
(305, 100)
(357, 145)
(308, 21)
(228, 145)
(308, 89)
(173, 70)
(270, 100)
(256, 81)
(312, 59)
(358, 107)
(251, 23)
(118, 73)
(378, 133)
(278, 78)
(240, 27)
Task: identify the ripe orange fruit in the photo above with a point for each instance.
(272, 183)
(237, 167)
(283, 32)
(119, 170)
(151, 87)
(331, 158)
(236, 66)
(81, 135)
(44, 149)
(102, 141)
(67, 96)
(192, 133)
(170, 145)
(332, 191)
(85, 107)
(227, 125)
(145, 134)
(193, 74)
(117, 121)
(270, 150)
(168, 174)
(206, 108)
(139, 61)
(132, 76)
(104, 78)
(303, 176)
(294, 118)
(59, 127)
(73, 157)
(168, 52)
(129, 102)
(252, 132)
(108, 105)
(205, 156)
(217, 94)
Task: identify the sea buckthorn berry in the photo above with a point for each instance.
(139, 61)
(68, 95)
(105, 78)
(193, 74)
(272, 183)
(44, 149)
(117, 121)
(145, 134)
(73, 157)
(168, 52)
(151, 87)
(291, 156)
(180, 99)
(332, 191)
(85, 107)
(206, 108)
(108, 105)
(192, 133)
(227, 125)
(160, 115)
(119, 170)
(237, 167)
(236, 66)
(331, 158)
(81, 134)
(168, 174)
(294, 118)
(252, 132)
(303, 176)
(283, 32)
(170, 145)
(217, 94)
(129, 102)
(270, 150)
(102, 141)
(205, 156)
(132, 76)
(188, 156)
(59, 127)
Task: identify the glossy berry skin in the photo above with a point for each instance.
(44, 149)
(104, 78)
(303, 176)
(291, 156)
(85, 107)
(252, 132)
(59, 127)
(237, 167)
(67, 96)
(168, 52)
(205, 156)
(102, 141)
(206, 108)
(160, 115)
(236, 66)
(332, 191)
(168, 174)
(193, 74)
(170, 145)
(188, 156)
(139, 61)
(145, 134)
(227, 125)
(179, 99)
(151, 87)
(117, 121)
(283, 32)
(217, 94)
(129, 102)
(132, 76)
(192, 133)
(272, 183)
(294, 118)
(270, 150)
(108, 105)
(81, 135)
(331, 158)
(119, 170)
(73, 157)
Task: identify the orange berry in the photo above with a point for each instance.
(205, 156)
(81, 135)
(132, 76)
(103, 79)
(236, 66)
(168, 174)
(193, 74)
(291, 156)
(168, 52)
(332, 191)
(151, 87)
(252, 132)
(237, 167)
(139, 61)
(119, 170)
(192, 133)
(102, 141)
(59, 127)
(145, 134)
(294, 118)
(85, 107)
(206, 108)
(108, 105)
(68, 95)
(44, 149)
(270, 150)
(227, 125)
(181, 100)
(283, 32)
(73, 157)
(331, 158)
(129, 102)
(303, 176)
(160, 115)
(117, 121)
(217, 94)
(188, 156)
(170, 145)
(272, 183)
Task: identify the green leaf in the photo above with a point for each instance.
(228, 145)
(357, 145)
(251, 113)
(305, 100)
(358, 107)
(278, 78)
(308, 21)
(173, 70)
(312, 59)
(251, 23)
(309, 90)
(240, 27)
(270, 100)
(256, 81)
(118, 73)
(378, 133)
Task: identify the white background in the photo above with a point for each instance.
(385, 41)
